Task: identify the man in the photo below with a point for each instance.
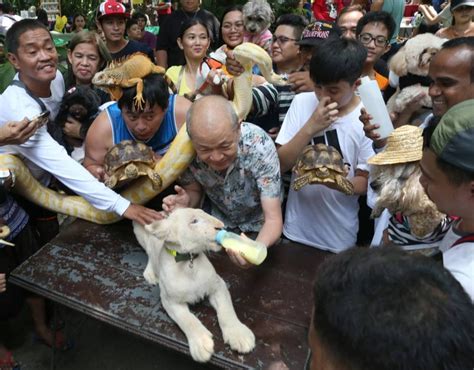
(374, 31)
(453, 82)
(111, 21)
(287, 59)
(317, 215)
(156, 124)
(148, 39)
(311, 37)
(168, 52)
(236, 167)
(38, 87)
(384, 309)
(393, 7)
(447, 170)
(347, 20)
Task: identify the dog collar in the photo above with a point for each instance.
(180, 257)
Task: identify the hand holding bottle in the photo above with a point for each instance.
(242, 250)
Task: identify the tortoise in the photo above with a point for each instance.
(128, 160)
(322, 164)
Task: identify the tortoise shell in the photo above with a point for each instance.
(126, 152)
(321, 164)
(320, 156)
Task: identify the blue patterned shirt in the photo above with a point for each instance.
(255, 174)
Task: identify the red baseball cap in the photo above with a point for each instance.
(111, 7)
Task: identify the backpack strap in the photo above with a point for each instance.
(28, 91)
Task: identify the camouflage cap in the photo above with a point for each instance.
(453, 139)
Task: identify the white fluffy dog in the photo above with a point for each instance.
(176, 260)
(411, 64)
(258, 16)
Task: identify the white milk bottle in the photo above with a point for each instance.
(254, 252)
(374, 104)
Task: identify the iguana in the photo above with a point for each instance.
(127, 72)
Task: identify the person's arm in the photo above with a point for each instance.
(360, 182)
(17, 132)
(376, 5)
(323, 116)
(181, 107)
(301, 82)
(273, 225)
(161, 57)
(187, 196)
(97, 143)
(430, 14)
(361, 172)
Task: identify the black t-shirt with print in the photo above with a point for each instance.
(134, 47)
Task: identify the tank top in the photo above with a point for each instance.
(159, 142)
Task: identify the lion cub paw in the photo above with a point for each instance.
(240, 338)
(201, 347)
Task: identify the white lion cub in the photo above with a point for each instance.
(176, 260)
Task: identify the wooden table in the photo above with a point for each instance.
(98, 270)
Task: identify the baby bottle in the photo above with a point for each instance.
(254, 252)
(372, 99)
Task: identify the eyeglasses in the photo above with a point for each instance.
(366, 39)
(228, 26)
(281, 39)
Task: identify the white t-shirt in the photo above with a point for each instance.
(459, 260)
(42, 153)
(317, 215)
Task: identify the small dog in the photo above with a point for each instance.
(176, 261)
(258, 16)
(411, 64)
(81, 103)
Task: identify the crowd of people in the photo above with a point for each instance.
(242, 172)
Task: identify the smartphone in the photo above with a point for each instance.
(41, 119)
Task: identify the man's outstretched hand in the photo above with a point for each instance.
(142, 215)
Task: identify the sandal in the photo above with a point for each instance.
(61, 343)
(8, 362)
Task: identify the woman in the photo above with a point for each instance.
(194, 39)
(87, 54)
(231, 32)
(232, 27)
(463, 26)
(78, 23)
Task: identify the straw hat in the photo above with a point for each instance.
(405, 144)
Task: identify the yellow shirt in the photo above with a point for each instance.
(173, 75)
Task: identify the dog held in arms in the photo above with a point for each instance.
(258, 16)
(176, 249)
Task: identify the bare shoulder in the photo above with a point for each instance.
(100, 126)
(98, 140)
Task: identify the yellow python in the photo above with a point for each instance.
(173, 163)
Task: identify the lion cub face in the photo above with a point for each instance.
(189, 230)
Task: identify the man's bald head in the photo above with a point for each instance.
(214, 129)
(210, 112)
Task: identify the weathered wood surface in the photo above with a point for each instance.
(98, 270)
